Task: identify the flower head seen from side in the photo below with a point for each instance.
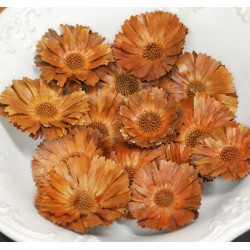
(104, 105)
(40, 109)
(194, 73)
(84, 192)
(118, 79)
(149, 118)
(165, 195)
(149, 44)
(178, 153)
(50, 153)
(226, 153)
(202, 115)
(72, 55)
(132, 158)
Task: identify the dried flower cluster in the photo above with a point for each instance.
(130, 131)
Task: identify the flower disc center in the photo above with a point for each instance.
(46, 110)
(100, 126)
(153, 52)
(83, 201)
(229, 154)
(193, 135)
(163, 198)
(194, 87)
(74, 61)
(126, 85)
(150, 122)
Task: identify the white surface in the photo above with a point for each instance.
(222, 33)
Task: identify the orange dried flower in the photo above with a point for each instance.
(149, 44)
(83, 193)
(181, 153)
(149, 118)
(83, 141)
(104, 105)
(226, 154)
(202, 114)
(132, 159)
(35, 107)
(74, 54)
(118, 79)
(178, 153)
(165, 195)
(194, 73)
(2, 112)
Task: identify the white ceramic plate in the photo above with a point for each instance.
(223, 33)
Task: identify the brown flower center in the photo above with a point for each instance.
(194, 87)
(74, 61)
(131, 172)
(163, 198)
(126, 85)
(153, 52)
(100, 126)
(193, 135)
(46, 110)
(150, 122)
(83, 201)
(229, 154)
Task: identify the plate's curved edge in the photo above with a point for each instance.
(235, 215)
(12, 226)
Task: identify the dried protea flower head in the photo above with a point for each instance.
(72, 55)
(165, 195)
(149, 118)
(83, 193)
(104, 105)
(178, 153)
(132, 158)
(226, 153)
(118, 79)
(193, 73)
(202, 115)
(40, 109)
(80, 141)
(149, 44)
